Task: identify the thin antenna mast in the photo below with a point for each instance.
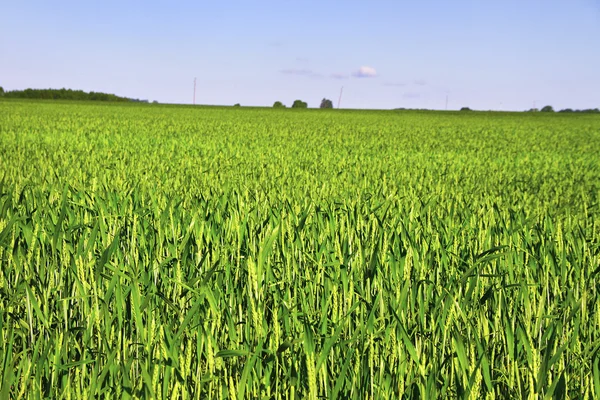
(340, 99)
(194, 91)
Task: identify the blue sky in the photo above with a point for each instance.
(506, 55)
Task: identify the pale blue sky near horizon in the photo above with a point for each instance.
(501, 55)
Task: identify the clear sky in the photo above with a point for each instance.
(484, 54)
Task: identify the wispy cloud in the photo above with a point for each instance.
(338, 76)
(300, 72)
(365, 72)
(420, 82)
(411, 95)
(394, 84)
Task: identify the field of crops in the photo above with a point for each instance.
(186, 252)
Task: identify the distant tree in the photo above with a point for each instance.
(566, 110)
(1, 91)
(237, 105)
(325, 103)
(547, 109)
(278, 104)
(155, 102)
(299, 104)
(465, 109)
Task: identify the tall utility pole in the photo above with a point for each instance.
(194, 91)
(340, 99)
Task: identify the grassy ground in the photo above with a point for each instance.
(163, 251)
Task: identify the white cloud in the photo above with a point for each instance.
(365, 72)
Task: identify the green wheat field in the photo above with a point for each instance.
(155, 251)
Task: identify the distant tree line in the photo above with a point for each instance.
(567, 110)
(297, 104)
(64, 94)
(325, 103)
(587, 111)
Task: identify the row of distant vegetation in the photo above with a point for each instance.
(64, 94)
(69, 94)
(567, 110)
(325, 103)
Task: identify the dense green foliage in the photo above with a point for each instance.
(65, 94)
(299, 104)
(326, 103)
(188, 252)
